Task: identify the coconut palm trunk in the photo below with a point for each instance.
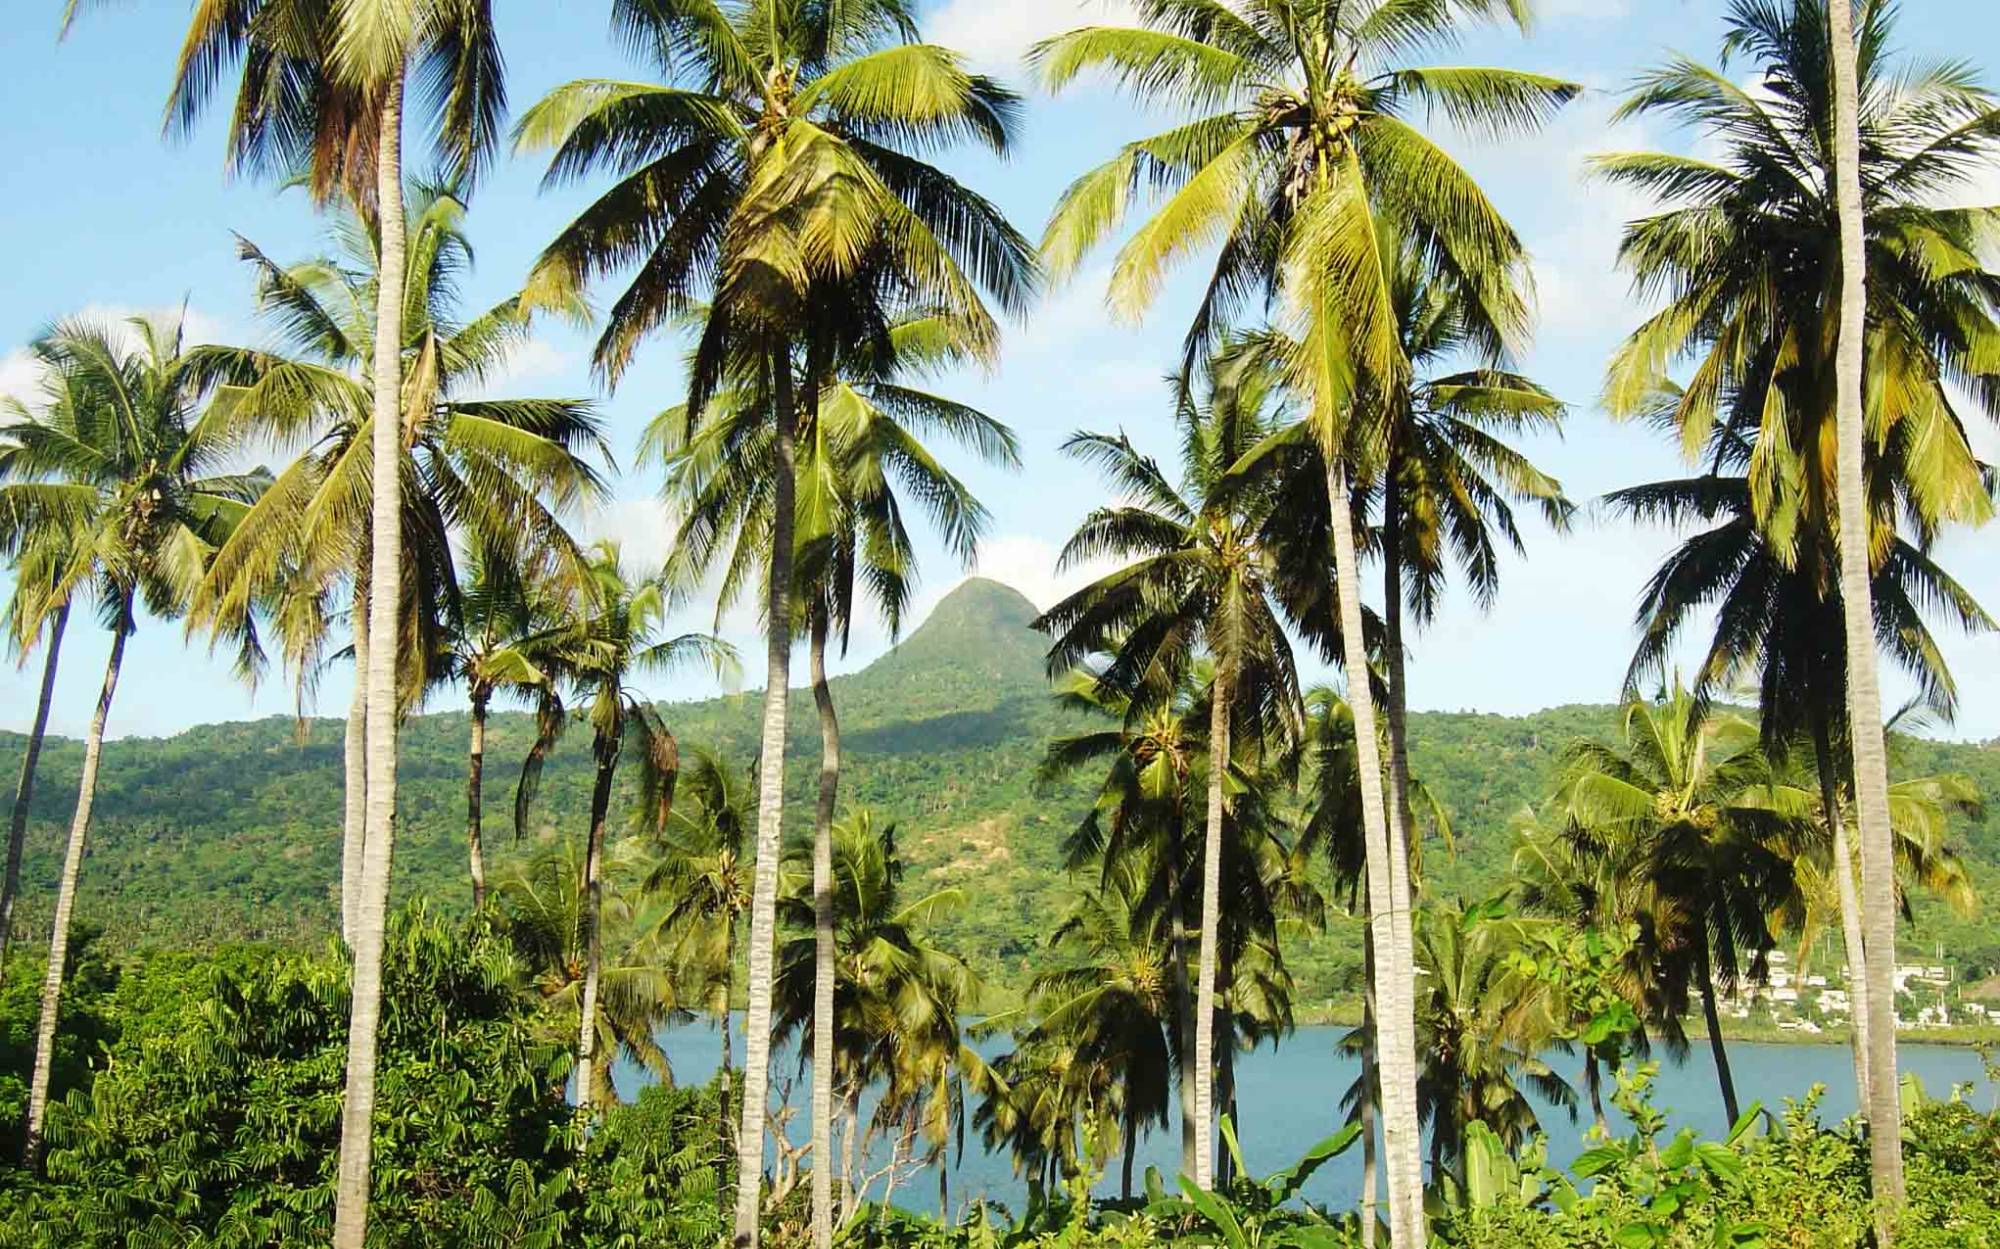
(354, 815)
(1395, 997)
(823, 951)
(24, 793)
(1371, 1093)
(1717, 1047)
(72, 868)
(1402, 826)
(1864, 694)
(475, 775)
(728, 1068)
(350, 1220)
(1131, 1153)
(1183, 996)
(604, 748)
(1593, 1083)
(1853, 945)
(770, 813)
(1211, 929)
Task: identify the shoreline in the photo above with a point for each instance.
(1957, 1036)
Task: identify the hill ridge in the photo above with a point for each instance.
(229, 831)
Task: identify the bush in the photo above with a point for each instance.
(213, 1117)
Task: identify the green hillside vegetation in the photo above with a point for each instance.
(229, 832)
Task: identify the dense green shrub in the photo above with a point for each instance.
(213, 1115)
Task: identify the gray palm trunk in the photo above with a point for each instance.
(1371, 1093)
(475, 775)
(1593, 1084)
(1183, 996)
(1402, 825)
(605, 750)
(823, 951)
(770, 816)
(350, 1219)
(1717, 1047)
(1864, 694)
(1395, 998)
(72, 868)
(354, 816)
(24, 793)
(1211, 928)
(1853, 945)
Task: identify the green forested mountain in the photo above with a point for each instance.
(230, 831)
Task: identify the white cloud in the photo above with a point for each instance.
(996, 34)
(533, 362)
(1584, 10)
(641, 527)
(20, 376)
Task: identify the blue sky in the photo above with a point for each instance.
(104, 216)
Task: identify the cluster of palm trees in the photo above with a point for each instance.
(1353, 264)
(1346, 391)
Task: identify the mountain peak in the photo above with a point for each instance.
(981, 601)
(982, 628)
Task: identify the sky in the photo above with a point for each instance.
(105, 217)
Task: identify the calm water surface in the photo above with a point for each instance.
(1288, 1101)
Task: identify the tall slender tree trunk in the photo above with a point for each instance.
(1225, 1067)
(1131, 1152)
(1211, 927)
(475, 775)
(72, 868)
(1371, 1093)
(1853, 945)
(1864, 694)
(1717, 1047)
(1402, 825)
(850, 1143)
(605, 750)
(24, 792)
(1395, 996)
(770, 813)
(354, 814)
(1593, 1083)
(728, 1027)
(823, 951)
(385, 589)
(1183, 995)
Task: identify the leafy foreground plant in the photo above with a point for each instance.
(214, 1115)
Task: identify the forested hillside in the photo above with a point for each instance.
(230, 831)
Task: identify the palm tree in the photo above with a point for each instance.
(543, 905)
(789, 185)
(1141, 813)
(1864, 693)
(862, 465)
(1303, 144)
(1448, 478)
(322, 93)
(897, 997)
(1782, 330)
(500, 473)
(1199, 581)
(1483, 1027)
(512, 623)
(122, 455)
(599, 655)
(1112, 1005)
(699, 886)
(1777, 621)
(39, 557)
(1676, 812)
